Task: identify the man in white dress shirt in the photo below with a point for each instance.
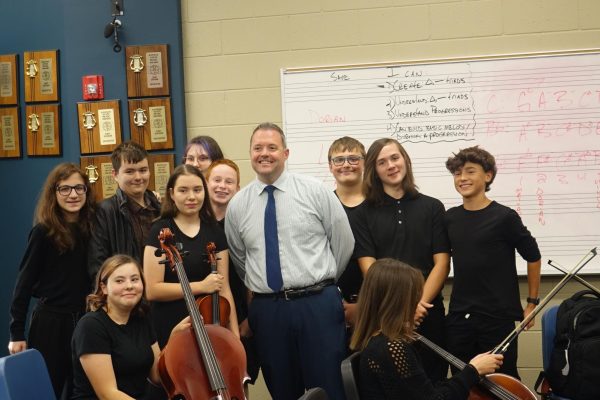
(290, 238)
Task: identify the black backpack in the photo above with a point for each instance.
(574, 369)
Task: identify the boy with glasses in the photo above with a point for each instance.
(346, 163)
(124, 220)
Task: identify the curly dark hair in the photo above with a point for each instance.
(475, 155)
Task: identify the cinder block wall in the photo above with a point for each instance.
(234, 49)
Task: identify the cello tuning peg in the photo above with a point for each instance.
(159, 252)
(179, 246)
(184, 253)
(164, 262)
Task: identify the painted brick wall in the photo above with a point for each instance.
(234, 49)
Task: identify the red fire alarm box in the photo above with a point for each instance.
(93, 87)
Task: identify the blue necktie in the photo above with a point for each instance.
(274, 279)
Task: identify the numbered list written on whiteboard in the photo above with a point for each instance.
(539, 116)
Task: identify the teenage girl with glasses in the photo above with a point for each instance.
(201, 151)
(53, 270)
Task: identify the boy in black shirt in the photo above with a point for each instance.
(485, 300)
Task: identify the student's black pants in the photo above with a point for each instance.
(469, 334)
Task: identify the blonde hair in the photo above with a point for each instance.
(388, 299)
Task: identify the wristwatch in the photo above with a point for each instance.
(533, 300)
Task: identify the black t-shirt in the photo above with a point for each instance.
(483, 255)
(167, 314)
(410, 229)
(351, 279)
(391, 370)
(129, 345)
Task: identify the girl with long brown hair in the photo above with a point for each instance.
(187, 212)
(53, 270)
(390, 367)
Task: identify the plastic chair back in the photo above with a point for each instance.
(315, 394)
(24, 376)
(350, 376)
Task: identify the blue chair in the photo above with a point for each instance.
(24, 376)
(548, 333)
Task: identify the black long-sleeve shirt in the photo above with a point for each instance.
(56, 279)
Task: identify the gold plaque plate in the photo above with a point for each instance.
(43, 129)
(150, 123)
(147, 70)
(41, 76)
(99, 126)
(10, 145)
(161, 167)
(9, 90)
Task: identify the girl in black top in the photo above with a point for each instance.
(114, 346)
(187, 212)
(53, 270)
(390, 367)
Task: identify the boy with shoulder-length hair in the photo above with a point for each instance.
(485, 300)
(397, 221)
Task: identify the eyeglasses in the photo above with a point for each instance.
(65, 190)
(352, 160)
(192, 159)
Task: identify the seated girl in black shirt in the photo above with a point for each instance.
(114, 346)
(390, 367)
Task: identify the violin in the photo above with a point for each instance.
(214, 308)
(192, 363)
(490, 387)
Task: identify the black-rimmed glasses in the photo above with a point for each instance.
(65, 190)
(352, 160)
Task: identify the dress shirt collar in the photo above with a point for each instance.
(281, 183)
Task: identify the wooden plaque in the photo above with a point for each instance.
(10, 145)
(147, 70)
(150, 123)
(9, 90)
(43, 129)
(99, 172)
(41, 75)
(161, 167)
(99, 126)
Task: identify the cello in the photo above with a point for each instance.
(204, 362)
(214, 308)
(490, 387)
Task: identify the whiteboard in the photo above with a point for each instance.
(538, 114)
